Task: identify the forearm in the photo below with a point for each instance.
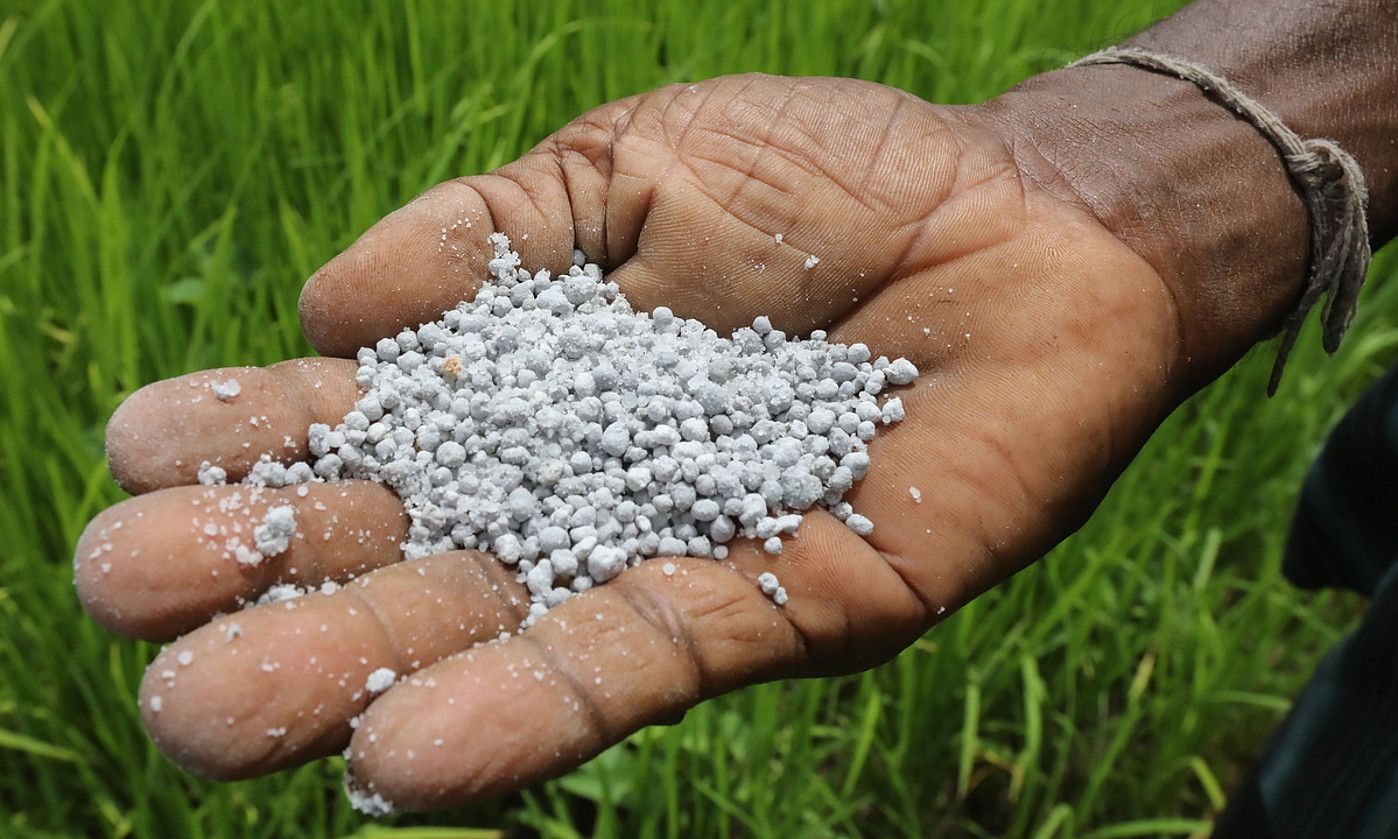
(1199, 193)
(1328, 68)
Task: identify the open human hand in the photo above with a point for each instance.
(1050, 348)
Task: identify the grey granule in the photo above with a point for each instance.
(274, 535)
(380, 680)
(209, 474)
(772, 587)
(225, 391)
(547, 422)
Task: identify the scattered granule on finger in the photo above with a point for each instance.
(364, 801)
(210, 475)
(278, 527)
(772, 587)
(227, 390)
(380, 680)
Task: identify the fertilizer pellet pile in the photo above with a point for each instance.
(548, 423)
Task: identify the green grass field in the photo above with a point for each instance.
(169, 175)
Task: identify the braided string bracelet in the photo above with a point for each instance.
(1330, 183)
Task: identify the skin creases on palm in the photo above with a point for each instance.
(1034, 327)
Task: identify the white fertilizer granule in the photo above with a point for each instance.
(772, 587)
(209, 474)
(279, 593)
(274, 535)
(225, 391)
(548, 423)
(380, 680)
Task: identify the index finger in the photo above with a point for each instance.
(429, 255)
(231, 417)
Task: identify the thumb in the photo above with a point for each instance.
(425, 257)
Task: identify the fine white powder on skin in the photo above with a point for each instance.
(368, 803)
(273, 533)
(548, 423)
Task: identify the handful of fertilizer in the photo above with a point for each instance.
(548, 423)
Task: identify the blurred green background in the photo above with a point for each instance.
(170, 172)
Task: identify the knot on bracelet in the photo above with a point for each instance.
(1330, 183)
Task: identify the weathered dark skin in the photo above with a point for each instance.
(1087, 250)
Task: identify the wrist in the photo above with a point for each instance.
(1196, 192)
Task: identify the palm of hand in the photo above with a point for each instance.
(1031, 323)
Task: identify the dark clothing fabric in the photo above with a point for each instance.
(1331, 768)
(1345, 533)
